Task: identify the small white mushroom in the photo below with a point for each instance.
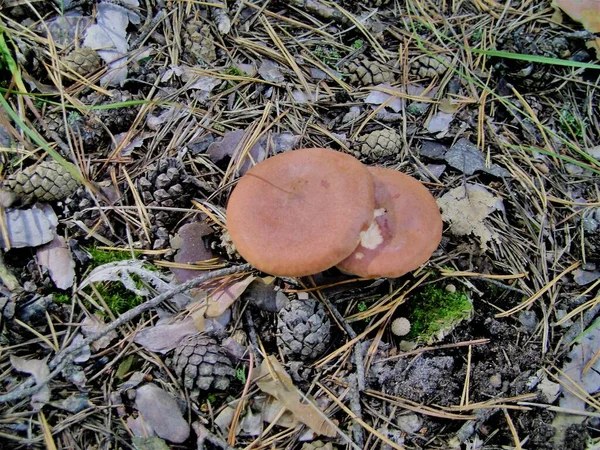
(401, 326)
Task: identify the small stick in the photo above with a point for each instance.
(358, 379)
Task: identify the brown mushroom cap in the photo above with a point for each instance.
(301, 212)
(406, 231)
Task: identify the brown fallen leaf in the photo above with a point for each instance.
(160, 410)
(272, 379)
(224, 298)
(586, 12)
(164, 337)
(40, 371)
(57, 257)
(95, 324)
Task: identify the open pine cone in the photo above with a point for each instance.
(304, 329)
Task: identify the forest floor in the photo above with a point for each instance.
(125, 127)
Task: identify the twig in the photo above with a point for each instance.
(63, 357)
(204, 434)
(357, 355)
(253, 337)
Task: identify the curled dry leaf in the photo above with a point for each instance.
(95, 324)
(30, 227)
(191, 249)
(109, 37)
(160, 410)
(274, 380)
(56, 256)
(38, 368)
(466, 208)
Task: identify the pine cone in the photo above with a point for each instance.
(202, 364)
(90, 131)
(198, 43)
(92, 127)
(46, 182)
(380, 143)
(364, 72)
(429, 67)
(83, 61)
(529, 74)
(80, 206)
(165, 185)
(303, 329)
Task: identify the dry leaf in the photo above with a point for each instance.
(139, 427)
(271, 411)
(122, 271)
(160, 410)
(466, 208)
(282, 388)
(581, 374)
(232, 144)
(221, 300)
(586, 12)
(191, 249)
(270, 71)
(38, 368)
(440, 123)
(109, 38)
(164, 337)
(95, 324)
(30, 227)
(377, 97)
(56, 256)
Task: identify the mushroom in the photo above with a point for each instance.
(301, 212)
(406, 230)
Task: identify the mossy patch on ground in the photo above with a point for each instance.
(434, 311)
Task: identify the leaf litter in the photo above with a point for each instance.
(520, 130)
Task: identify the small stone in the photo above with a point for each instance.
(496, 381)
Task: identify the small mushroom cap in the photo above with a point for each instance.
(301, 212)
(401, 326)
(406, 231)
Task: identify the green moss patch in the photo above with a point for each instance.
(434, 312)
